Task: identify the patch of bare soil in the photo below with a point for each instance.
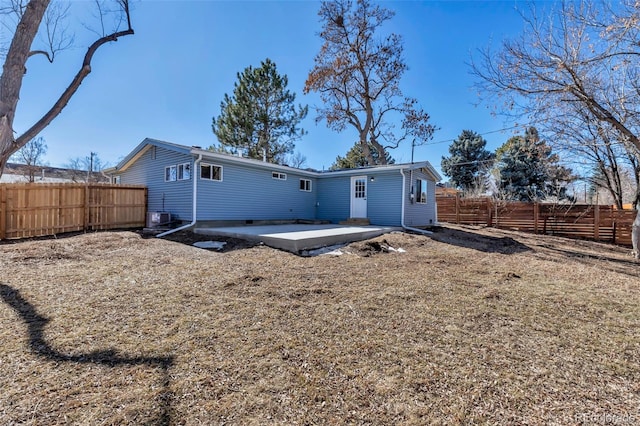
(189, 238)
(467, 326)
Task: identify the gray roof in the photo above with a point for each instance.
(206, 154)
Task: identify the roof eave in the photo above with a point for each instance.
(250, 161)
(142, 147)
(145, 145)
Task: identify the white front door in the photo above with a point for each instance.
(359, 196)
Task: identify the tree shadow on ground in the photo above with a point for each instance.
(614, 264)
(484, 243)
(39, 346)
(545, 246)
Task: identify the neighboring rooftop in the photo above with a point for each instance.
(19, 173)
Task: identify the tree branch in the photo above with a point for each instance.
(63, 100)
(41, 52)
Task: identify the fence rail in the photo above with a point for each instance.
(33, 210)
(594, 222)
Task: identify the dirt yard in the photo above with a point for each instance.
(468, 326)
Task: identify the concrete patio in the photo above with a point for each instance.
(298, 237)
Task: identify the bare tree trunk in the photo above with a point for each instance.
(3, 163)
(366, 152)
(635, 164)
(635, 235)
(382, 153)
(13, 73)
(635, 229)
(14, 69)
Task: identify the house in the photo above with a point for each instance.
(194, 184)
(444, 191)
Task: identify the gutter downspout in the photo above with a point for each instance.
(195, 201)
(408, 228)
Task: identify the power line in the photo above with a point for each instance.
(480, 134)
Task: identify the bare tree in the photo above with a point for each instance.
(358, 78)
(571, 58)
(86, 169)
(297, 160)
(591, 143)
(31, 155)
(29, 17)
(580, 56)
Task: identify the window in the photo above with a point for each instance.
(116, 179)
(211, 172)
(184, 171)
(279, 176)
(421, 191)
(305, 185)
(360, 188)
(170, 174)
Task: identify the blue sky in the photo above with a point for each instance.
(168, 79)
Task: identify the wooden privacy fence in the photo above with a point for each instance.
(36, 209)
(594, 222)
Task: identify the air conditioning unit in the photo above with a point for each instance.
(155, 219)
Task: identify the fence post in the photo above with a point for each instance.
(596, 222)
(615, 230)
(457, 208)
(536, 216)
(85, 223)
(490, 208)
(3, 212)
(613, 223)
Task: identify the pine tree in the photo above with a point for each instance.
(529, 170)
(468, 160)
(261, 117)
(355, 158)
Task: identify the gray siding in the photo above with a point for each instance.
(417, 214)
(384, 206)
(249, 193)
(174, 197)
(334, 198)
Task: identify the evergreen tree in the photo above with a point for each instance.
(529, 170)
(469, 160)
(261, 116)
(355, 158)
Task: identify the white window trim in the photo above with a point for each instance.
(306, 181)
(167, 176)
(278, 176)
(183, 166)
(422, 190)
(211, 178)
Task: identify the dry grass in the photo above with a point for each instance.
(472, 326)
